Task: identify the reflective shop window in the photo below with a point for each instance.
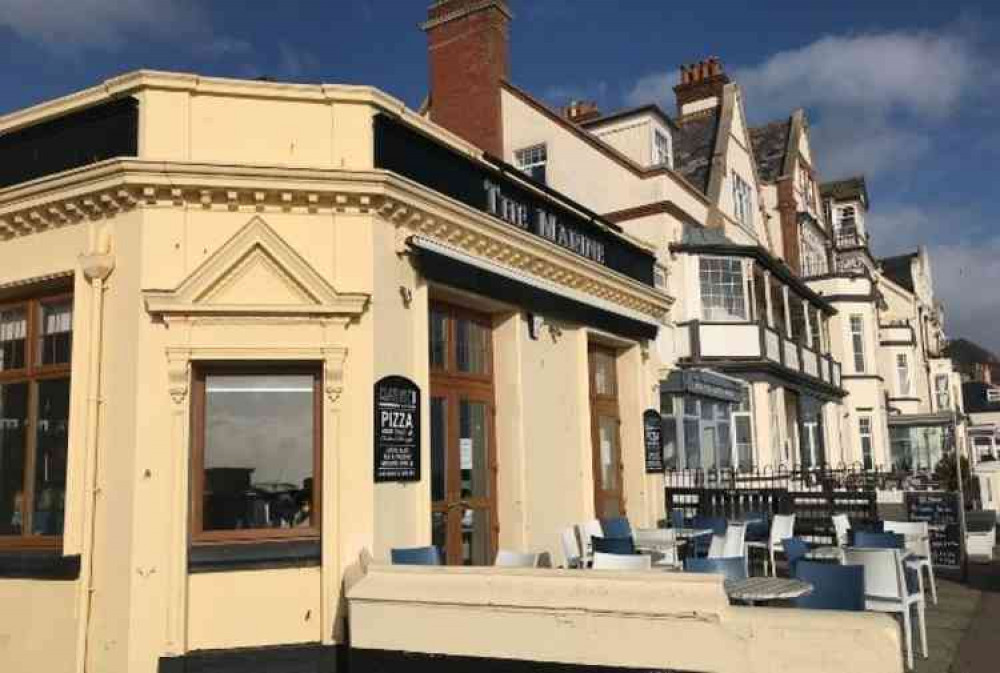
(257, 447)
(34, 417)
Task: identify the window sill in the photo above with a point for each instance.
(209, 558)
(47, 564)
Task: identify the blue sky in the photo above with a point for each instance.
(903, 91)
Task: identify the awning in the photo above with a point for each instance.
(446, 265)
(911, 420)
(703, 382)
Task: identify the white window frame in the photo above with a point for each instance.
(858, 342)
(865, 433)
(904, 384)
(725, 291)
(529, 158)
(742, 200)
(943, 391)
(663, 152)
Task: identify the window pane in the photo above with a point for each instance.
(692, 444)
(669, 425)
(259, 450)
(744, 441)
(439, 340)
(55, 330)
(439, 443)
(722, 289)
(473, 446)
(13, 421)
(778, 307)
(473, 347)
(604, 373)
(50, 457)
(13, 326)
(608, 437)
(476, 537)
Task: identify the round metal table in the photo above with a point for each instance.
(762, 589)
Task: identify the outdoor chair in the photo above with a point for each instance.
(756, 526)
(782, 526)
(918, 543)
(677, 518)
(585, 531)
(795, 550)
(416, 556)
(842, 527)
(616, 527)
(980, 534)
(571, 548)
(879, 540)
(886, 591)
(604, 561)
(701, 544)
(514, 559)
(835, 587)
(613, 545)
(733, 568)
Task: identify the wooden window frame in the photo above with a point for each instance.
(199, 370)
(32, 374)
(604, 405)
(451, 370)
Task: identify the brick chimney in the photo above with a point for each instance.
(581, 111)
(468, 53)
(701, 86)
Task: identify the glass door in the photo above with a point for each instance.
(463, 465)
(609, 496)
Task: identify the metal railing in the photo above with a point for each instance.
(825, 477)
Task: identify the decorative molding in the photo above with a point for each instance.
(178, 368)
(334, 359)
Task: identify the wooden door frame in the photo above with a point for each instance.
(451, 385)
(604, 405)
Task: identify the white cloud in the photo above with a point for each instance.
(966, 276)
(562, 94)
(657, 87)
(67, 26)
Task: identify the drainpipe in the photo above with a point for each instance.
(96, 266)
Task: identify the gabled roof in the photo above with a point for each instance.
(899, 269)
(649, 108)
(694, 143)
(770, 144)
(848, 189)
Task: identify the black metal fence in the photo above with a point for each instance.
(842, 477)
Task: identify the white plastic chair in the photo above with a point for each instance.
(918, 543)
(571, 548)
(588, 530)
(886, 591)
(661, 543)
(622, 562)
(842, 527)
(782, 526)
(514, 559)
(717, 547)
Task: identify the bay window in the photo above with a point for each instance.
(858, 342)
(256, 452)
(723, 294)
(35, 348)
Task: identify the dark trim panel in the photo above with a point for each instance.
(767, 368)
(904, 399)
(310, 658)
(385, 661)
(861, 377)
(38, 565)
(855, 298)
(253, 556)
(896, 343)
(451, 272)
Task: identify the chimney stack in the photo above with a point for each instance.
(700, 86)
(467, 43)
(581, 111)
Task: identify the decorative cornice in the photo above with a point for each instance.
(111, 188)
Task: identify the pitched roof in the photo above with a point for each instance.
(770, 143)
(693, 146)
(848, 189)
(965, 352)
(899, 269)
(648, 108)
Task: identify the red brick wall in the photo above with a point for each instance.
(468, 59)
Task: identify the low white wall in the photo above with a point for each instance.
(650, 619)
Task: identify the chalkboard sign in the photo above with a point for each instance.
(397, 430)
(940, 509)
(652, 432)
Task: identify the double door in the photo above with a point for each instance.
(463, 455)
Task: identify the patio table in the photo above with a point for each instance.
(828, 553)
(762, 589)
(688, 533)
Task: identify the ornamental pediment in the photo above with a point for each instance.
(256, 272)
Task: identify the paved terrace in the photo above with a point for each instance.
(962, 631)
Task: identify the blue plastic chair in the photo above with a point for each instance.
(835, 587)
(795, 550)
(734, 568)
(416, 556)
(879, 540)
(677, 518)
(717, 524)
(623, 546)
(616, 527)
(757, 526)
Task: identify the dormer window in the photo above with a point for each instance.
(532, 161)
(848, 220)
(662, 150)
(742, 201)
